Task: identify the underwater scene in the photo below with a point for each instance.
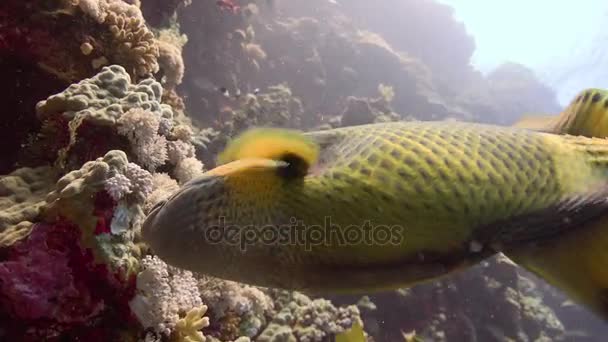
(303, 170)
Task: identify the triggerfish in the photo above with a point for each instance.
(389, 205)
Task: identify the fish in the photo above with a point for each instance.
(382, 206)
(224, 91)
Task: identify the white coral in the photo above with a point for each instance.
(179, 150)
(223, 296)
(118, 186)
(140, 179)
(138, 125)
(152, 153)
(164, 186)
(183, 132)
(142, 128)
(188, 169)
(164, 292)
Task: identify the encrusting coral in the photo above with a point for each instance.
(22, 194)
(108, 111)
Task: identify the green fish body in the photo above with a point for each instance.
(383, 206)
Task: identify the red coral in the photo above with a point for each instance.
(104, 210)
(51, 288)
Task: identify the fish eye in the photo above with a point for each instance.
(295, 167)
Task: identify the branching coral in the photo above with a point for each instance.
(188, 329)
(130, 42)
(168, 301)
(135, 46)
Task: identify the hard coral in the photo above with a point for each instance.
(188, 329)
(134, 45)
(172, 64)
(167, 300)
(308, 320)
(246, 307)
(108, 226)
(22, 194)
(93, 108)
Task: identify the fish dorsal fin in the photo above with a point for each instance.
(287, 145)
(586, 115)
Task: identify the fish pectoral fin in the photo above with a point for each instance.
(575, 262)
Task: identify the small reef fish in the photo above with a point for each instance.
(224, 91)
(384, 206)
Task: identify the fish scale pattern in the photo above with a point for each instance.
(482, 171)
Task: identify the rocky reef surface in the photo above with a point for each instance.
(110, 105)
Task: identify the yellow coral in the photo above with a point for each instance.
(188, 328)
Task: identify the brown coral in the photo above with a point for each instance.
(134, 45)
(171, 62)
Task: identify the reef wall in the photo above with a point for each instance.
(110, 105)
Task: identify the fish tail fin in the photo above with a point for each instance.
(586, 115)
(575, 262)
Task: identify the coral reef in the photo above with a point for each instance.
(238, 310)
(73, 274)
(111, 105)
(300, 318)
(22, 194)
(107, 111)
(168, 301)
